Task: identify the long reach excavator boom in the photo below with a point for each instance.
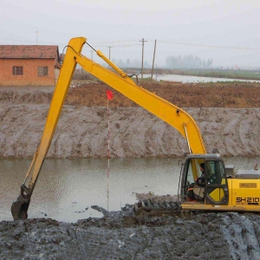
(118, 80)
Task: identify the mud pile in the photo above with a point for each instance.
(121, 236)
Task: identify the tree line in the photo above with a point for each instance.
(172, 62)
(187, 62)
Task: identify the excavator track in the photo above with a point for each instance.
(151, 207)
(154, 205)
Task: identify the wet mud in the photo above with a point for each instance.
(121, 235)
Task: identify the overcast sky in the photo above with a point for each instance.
(225, 30)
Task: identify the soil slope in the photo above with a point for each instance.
(227, 115)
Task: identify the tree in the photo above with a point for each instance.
(187, 62)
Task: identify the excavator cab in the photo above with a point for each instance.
(213, 189)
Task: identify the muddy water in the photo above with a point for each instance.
(66, 189)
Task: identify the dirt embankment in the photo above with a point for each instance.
(227, 115)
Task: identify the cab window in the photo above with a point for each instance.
(215, 173)
(193, 170)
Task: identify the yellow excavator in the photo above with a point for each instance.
(214, 191)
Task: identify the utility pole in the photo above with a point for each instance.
(142, 41)
(37, 34)
(153, 59)
(109, 52)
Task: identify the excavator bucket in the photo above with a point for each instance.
(20, 207)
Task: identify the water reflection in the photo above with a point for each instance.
(194, 79)
(66, 189)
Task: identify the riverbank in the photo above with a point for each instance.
(82, 132)
(82, 128)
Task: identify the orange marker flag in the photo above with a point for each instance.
(109, 95)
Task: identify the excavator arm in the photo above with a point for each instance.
(118, 80)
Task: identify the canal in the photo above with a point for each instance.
(67, 188)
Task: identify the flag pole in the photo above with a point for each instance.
(109, 97)
(108, 155)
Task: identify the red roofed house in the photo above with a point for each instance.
(25, 65)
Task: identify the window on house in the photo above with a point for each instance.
(17, 70)
(42, 71)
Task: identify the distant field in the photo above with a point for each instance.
(221, 94)
(214, 73)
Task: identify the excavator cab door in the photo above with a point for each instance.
(216, 188)
(213, 189)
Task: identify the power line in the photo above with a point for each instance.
(117, 41)
(118, 44)
(213, 46)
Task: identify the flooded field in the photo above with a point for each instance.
(66, 189)
(196, 79)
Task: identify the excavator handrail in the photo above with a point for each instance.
(119, 81)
